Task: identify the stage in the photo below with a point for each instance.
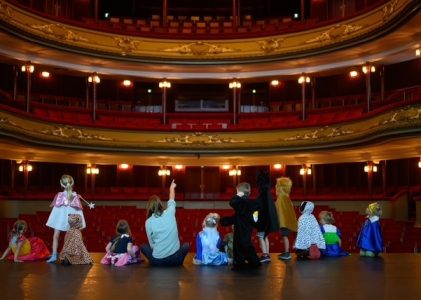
(395, 276)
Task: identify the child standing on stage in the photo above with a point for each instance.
(331, 234)
(244, 252)
(370, 239)
(267, 221)
(64, 203)
(24, 249)
(120, 250)
(208, 242)
(286, 213)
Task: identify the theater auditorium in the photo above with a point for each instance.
(110, 102)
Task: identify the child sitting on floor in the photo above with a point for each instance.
(309, 237)
(74, 251)
(331, 234)
(120, 250)
(208, 242)
(24, 249)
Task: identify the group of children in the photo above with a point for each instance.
(313, 240)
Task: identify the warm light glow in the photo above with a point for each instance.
(305, 171)
(302, 171)
(124, 166)
(418, 52)
(25, 167)
(277, 166)
(366, 169)
(164, 84)
(234, 172)
(45, 74)
(274, 82)
(20, 168)
(28, 68)
(419, 164)
(29, 168)
(353, 74)
(149, 91)
(308, 171)
(94, 78)
(164, 172)
(374, 168)
(366, 68)
(127, 83)
(303, 79)
(92, 170)
(253, 91)
(234, 85)
(226, 167)
(178, 167)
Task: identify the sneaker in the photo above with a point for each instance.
(285, 256)
(265, 258)
(52, 259)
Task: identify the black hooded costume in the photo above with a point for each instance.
(244, 252)
(268, 217)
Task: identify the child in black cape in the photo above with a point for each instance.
(244, 252)
(268, 218)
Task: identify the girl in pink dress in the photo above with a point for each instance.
(64, 203)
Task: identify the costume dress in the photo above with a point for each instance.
(370, 238)
(120, 257)
(244, 252)
(309, 230)
(33, 248)
(208, 242)
(267, 221)
(64, 204)
(332, 237)
(284, 207)
(74, 250)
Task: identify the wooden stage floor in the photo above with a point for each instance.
(395, 276)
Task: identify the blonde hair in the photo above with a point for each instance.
(327, 217)
(244, 187)
(211, 220)
(283, 185)
(154, 206)
(66, 181)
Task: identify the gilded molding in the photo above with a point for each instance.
(335, 33)
(391, 123)
(199, 49)
(95, 41)
(198, 138)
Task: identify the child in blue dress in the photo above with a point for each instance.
(331, 234)
(208, 243)
(370, 240)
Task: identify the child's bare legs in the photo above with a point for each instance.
(285, 233)
(56, 236)
(264, 246)
(286, 243)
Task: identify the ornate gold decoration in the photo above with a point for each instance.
(198, 138)
(320, 133)
(6, 121)
(335, 33)
(199, 48)
(403, 114)
(389, 9)
(271, 45)
(5, 11)
(126, 45)
(60, 31)
(73, 133)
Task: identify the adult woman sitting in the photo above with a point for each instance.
(161, 228)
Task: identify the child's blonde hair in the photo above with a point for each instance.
(327, 217)
(211, 220)
(66, 181)
(244, 187)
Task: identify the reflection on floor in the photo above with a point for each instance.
(395, 276)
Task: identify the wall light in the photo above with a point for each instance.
(94, 78)
(303, 79)
(92, 170)
(164, 172)
(127, 83)
(367, 67)
(178, 167)
(149, 91)
(418, 52)
(25, 167)
(164, 84)
(45, 74)
(28, 68)
(277, 166)
(234, 172)
(274, 82)
(234, 85)
(353, 74)
(371, 167)
(419, 164)
(305, 170)
(123, 166)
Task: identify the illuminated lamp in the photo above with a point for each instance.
(303, 79)
(277, 166)
(45, 74)
(274, 82)
(127, 83)
(164, 84)
(178, 167)
(124, 166)
(234, 85)
(418, 52)
(353, 74)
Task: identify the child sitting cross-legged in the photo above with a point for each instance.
(120, 250)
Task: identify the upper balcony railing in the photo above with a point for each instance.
(174, 22)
